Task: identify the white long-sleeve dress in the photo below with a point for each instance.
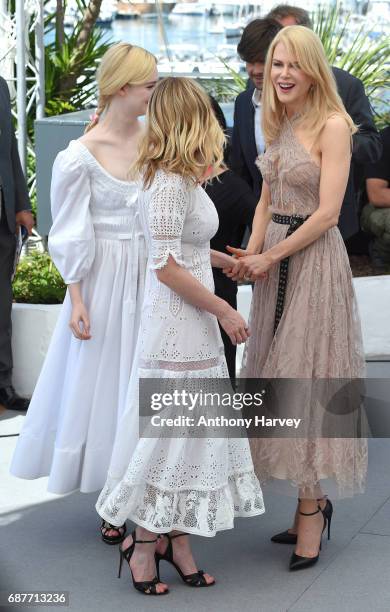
(193, 484)
(79, 398)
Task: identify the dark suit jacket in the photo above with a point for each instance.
(12, 179)
(366, 143)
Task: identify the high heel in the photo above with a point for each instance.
(285, 537)
(147, 587)
(297, 562)
(112, 539)
(196, 579)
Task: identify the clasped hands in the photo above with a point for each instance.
(247, 265)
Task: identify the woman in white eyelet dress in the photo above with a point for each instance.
(98, 247)
(194, 485)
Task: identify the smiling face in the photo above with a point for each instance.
(291, 84)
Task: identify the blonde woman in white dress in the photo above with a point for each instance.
(98, 246)
(177, 486)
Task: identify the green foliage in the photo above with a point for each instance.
(365, 59)
(69, 75)
(31, 181)
(382, 120)
(37, 281)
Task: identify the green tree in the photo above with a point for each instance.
(71, 59)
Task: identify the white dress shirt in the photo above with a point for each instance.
(259, 138)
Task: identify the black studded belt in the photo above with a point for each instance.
(294, 222)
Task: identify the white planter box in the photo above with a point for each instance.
(373, 298)
(33, 325)
(32, 328)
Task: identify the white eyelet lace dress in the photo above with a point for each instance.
(192, 484)
(96, 239)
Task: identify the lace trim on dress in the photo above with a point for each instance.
(180, 366)
(162, 248)
(202, 512)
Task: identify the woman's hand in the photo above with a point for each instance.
(234, 325)
(237, 253)
(250, 267)
(79, 322)
(221, 260)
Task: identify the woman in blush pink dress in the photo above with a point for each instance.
(304, 319)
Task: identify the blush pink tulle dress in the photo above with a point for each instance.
(318, 335)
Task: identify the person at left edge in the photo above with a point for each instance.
(99, 248)
(15, 211)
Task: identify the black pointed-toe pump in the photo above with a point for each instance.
(297, 562)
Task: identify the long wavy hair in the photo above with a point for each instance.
(123, 64)
(322, 100)
(182, 135)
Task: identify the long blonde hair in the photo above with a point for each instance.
(123, 64)
(323, 100)
(182, 134)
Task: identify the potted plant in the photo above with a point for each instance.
(38, 293)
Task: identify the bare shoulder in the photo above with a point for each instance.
(336, 125)
(335, 134)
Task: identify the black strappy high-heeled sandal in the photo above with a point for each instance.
(285, 537)
(196, 579)
(297, 562)
(112, 539)
(147, 587)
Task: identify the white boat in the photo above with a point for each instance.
(222, 8)
(234, 30)
(242, 17)
(187, 59)
(192, 8)
(125, 10)
(149, 7)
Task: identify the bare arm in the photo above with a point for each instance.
(79, 314)
(260, 222)
(259, 227)
(179, 280)
(220, 260)
(378, 191)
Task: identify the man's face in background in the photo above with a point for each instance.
(255, 72)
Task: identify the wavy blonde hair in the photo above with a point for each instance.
(123, 64)
(322, 101)
(182, 135)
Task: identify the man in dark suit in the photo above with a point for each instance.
(15, 211)
(246, 142)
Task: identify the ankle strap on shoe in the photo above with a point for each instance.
(145, 541)
(135, 541)
(311, 513)
(177, 535)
